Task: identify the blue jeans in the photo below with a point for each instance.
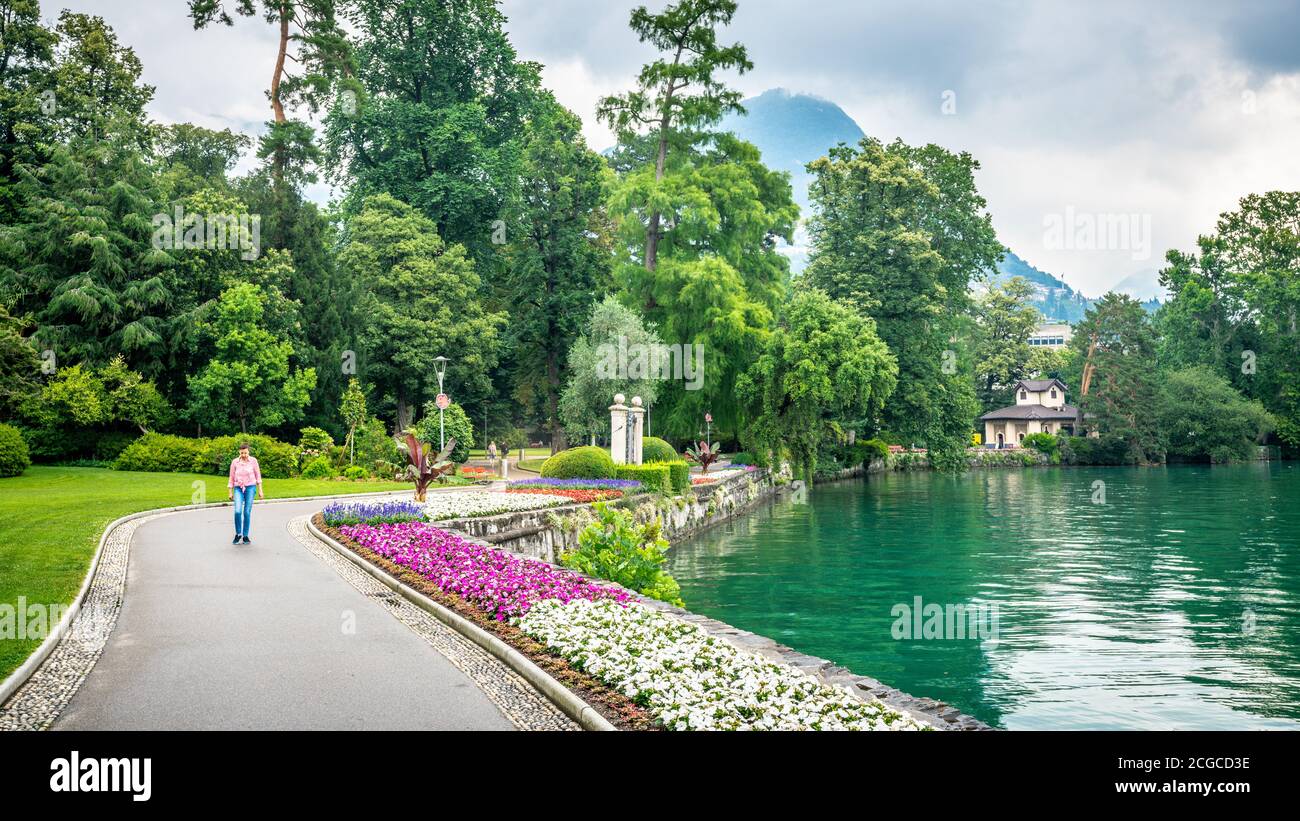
(243, 508)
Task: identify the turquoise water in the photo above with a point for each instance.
(1175, 604)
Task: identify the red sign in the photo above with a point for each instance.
(708, 417)
(443, 401)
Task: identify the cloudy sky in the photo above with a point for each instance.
(1157, 115)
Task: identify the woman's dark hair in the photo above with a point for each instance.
(244, 446)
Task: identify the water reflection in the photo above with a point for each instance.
(1128, 614)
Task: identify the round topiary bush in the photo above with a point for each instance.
(318, 468)
(355, 472)
(654, 449)
(586, 462)
(14, 458)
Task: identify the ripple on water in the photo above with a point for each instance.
(1174, 605)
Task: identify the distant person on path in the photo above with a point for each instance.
(245, 477)
(492, 453)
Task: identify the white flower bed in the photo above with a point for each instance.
(462, 504)
(691, 680)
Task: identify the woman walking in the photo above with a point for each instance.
(245, 477)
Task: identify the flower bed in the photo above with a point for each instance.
(691, 680)
(703, 480)
(583, 495)
(456, 505)
(351, 513)
(503, 585)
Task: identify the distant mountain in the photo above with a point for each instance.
(792, 130)
(1053, 298)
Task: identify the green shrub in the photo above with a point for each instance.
(373, 444)
(1044, 443)
(1106, 449)
(874, 449)
(14, 458)
(653, 478)
(110, 444)
(679, 475)
(654, 449)
(616, 548)
(455, 425)
(742, 458)
(586, 462)
(318, 468)
(160, 453)
(313, 442)
(277, 460)
(355, 472)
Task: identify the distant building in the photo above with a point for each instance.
(1040, 408)
(1052, 336)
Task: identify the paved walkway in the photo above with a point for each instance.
(263, 636)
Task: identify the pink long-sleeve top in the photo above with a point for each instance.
(244, 473)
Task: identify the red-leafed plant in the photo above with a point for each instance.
(702, 456)
(423, 467)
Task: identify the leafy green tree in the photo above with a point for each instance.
(312, 52)
(27, 104)
(1235, 305)
(353, 411)
(594, 371)
(196, 157)
(1003, 355)
(249, 382)
(823, 364)
(1204, 417)
(719, 279)
(438, 123)
(557, 257)
(454, 424)
(1116, 344)
(19, 366)
(677, 94)
(419, 301)
(97, 88)
(900, 232)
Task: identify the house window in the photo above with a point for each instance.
(1024, 395)
(1053, 393)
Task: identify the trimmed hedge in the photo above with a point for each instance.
(741, 458)
(654, 478)
(586, 462)
(276, 459)
(160, 453)
(14, 458)
(355, 472)
(679, 474)
(654, 449)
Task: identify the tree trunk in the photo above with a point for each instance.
(276, 105)
(404, 414)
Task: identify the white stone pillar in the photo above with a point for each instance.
(638, 425)
(618, 431)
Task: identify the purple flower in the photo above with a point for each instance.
(371, 513)
(503, 585)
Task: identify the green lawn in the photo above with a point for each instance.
(529, 453)
(51, 519)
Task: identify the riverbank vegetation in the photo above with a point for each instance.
(148, 291)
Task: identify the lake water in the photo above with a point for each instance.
(1126, 598)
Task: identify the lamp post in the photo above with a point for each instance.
(440, 367)
(708, 430)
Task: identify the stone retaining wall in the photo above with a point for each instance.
(545, 534)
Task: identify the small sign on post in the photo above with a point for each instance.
(443, 401)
